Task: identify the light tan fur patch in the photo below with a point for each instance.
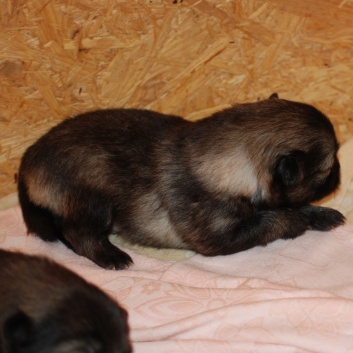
(44, 193)
(153, 217)
(232, 173)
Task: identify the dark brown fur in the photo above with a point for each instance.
(45, 308)
(242, 177)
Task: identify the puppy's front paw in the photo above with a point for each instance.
(323, 218)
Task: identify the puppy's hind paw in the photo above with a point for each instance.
(111, 257)
(323, 218)
(121, 262)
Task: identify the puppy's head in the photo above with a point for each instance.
(302, 161)
(275, 152)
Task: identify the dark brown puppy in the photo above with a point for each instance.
(47, 308)
(242, 177)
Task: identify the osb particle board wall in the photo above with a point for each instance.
(190, 57)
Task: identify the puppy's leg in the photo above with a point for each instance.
(94, 244)
(263, 227)
(86, 231)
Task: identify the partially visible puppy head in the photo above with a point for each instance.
(46, 308)
(80, 324)
(304, 166)
(275, 152)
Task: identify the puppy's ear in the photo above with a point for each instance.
(17, 332)
(273, 96)
(289, 168)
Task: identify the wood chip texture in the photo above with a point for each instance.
(186, 57)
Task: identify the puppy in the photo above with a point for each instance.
(47, 308)
(242, 177)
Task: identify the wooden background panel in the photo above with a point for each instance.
(192, 57)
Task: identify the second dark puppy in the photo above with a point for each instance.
(45, 308)
(242, 177)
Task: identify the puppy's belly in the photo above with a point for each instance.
(153, 225)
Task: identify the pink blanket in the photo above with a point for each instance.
(292, 296)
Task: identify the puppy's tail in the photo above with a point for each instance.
(39, 220)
